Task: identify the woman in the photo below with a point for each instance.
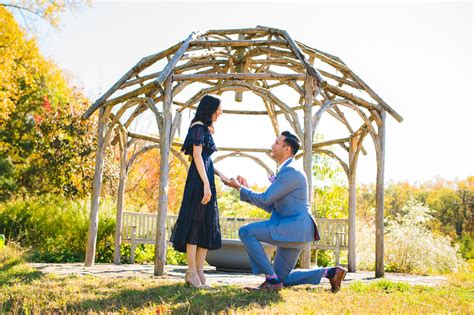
(197, 229)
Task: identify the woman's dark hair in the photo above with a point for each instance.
(207, 106)
(292, 140)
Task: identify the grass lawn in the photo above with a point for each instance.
(26, 290)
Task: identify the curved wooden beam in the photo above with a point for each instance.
(241, 154)
(149, 147)
(252, 30)
(298, 53)
(142, 64)
(176, 57)
(366, 120)
(264, 93)
(328, 104)
(332, 155)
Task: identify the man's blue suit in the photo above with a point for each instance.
(289, 228)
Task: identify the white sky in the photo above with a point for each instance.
(416, 56)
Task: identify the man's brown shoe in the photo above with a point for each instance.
(337, 279)
(267, 286)
(260, 286)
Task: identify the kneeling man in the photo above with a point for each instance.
(290, 226)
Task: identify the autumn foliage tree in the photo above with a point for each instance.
(141, 191)
(44, 145)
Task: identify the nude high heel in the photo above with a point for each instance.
(191, 278)
(202, 277)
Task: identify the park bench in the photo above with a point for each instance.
(140, 228)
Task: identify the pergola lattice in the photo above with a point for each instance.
(257, 60)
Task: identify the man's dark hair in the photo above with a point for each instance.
(292, 140)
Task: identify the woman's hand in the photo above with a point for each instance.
(224, 178)
(207, 194)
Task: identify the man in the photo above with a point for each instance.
(290, 226)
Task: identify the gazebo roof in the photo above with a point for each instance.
(237, 59)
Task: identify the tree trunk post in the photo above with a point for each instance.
(308, 154)
(352, 203)
(379, 201)
(165, 147)
(120, 196)
(96, 187)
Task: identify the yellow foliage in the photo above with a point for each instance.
(23, 70)
(143, 181)
(45, 146)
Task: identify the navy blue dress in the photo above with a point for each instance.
(198, 224)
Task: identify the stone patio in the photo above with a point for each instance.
(214, 277)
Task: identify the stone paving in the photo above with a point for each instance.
(214, 277)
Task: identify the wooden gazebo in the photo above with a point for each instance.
(259, 60)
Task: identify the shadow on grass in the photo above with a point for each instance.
(14, 269)
(5, 266)
(178, 298)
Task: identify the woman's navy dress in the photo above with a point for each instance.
(198, 224)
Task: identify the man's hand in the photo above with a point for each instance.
(233, 183)
(242, 181)
(224, 179)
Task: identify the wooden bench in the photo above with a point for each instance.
(140, 228)
(334, 234)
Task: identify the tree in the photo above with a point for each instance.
(143, 181)
(50, 10)
(330, 192)
(44, 145)
(452, 203)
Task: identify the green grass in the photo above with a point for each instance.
(25, 290)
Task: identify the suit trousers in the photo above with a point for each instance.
(286, 256)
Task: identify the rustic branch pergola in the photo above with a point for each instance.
(257, 60)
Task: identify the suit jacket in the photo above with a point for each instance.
(287, 201)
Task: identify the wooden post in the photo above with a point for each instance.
(240, 52)
(308, 139)
(96, 187)
(165, 147)
(308, 154)
(379, 200)
(352, 203)
(120, 196)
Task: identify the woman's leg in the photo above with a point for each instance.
(191, 256)
(192, 276)
(200, 258)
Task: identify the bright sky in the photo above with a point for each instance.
(416, 56)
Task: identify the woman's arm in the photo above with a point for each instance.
(197, 150)
(223, 178)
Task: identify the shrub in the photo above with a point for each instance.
(55, 228)
(174, 257)
(410, 246)
(467, 246)
(365, 246)
(231, 206)
(325, 257)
